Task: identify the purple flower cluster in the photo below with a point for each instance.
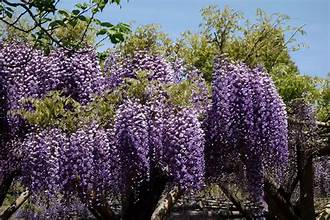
(247, 122)
(176, 143)
(95, 163)
(86, 163)
(200, 94)
(184, 149)
(26, 72)
(41, 164)
(322, 177)
(131, 132)
(245, 131)
(91, 163)
(54, 210)
(302, 137)
(78, 75)
(4, 127)
(118, 68)
(20, 71)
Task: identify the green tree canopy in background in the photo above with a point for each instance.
(47, 26)
(267, 42)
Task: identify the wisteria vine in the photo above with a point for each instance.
(175, 125)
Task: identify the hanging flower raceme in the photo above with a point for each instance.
(4, 127)
(20, 70)
(151, 111)
(301, 126)
(86, 163)
(184, 149)
(247, 122)
(77, 75)
(91, 164)
(321, 176)
(26, 72)
(132, 139)
(41, 164)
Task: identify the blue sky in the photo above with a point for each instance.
(176, 16)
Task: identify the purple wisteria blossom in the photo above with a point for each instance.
(132, 139)
(91, 164)
(85, 163)
(41, 165)
(246, 122)
(119, 68)
(184, 149)
(322, 177)
(240, 129)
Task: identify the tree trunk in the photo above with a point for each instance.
(15, 206)
(279, 208)
(236, 202)
(165, 204)
(140, 205)
(103, 212)
(306, 204)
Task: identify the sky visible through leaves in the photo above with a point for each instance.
(177, 16)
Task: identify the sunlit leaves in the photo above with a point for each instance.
(53, 110)
(148, 38)
(49, 21)
(181, 94)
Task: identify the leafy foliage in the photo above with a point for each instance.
(55, 27)
(147, 38)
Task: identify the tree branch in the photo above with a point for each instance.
(103, 211)
(236, 202)
(286, 43)
(263, 34)
(166, 202)
(37, 23)
(278, 206)
(15, 206)
(19, 17)
(86, 29)
(16, 27)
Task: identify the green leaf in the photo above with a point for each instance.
(101, 32)
(82, 6)
(44, 20)
(73, 22)
(75, 12)
(111, 31)
(116, 1)
(101, 4)
(106, 24)
(82, 18)
(97, 21)
(56, 23)
(116, 38)
(9, 14)
(95, 10)
(63, 13)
